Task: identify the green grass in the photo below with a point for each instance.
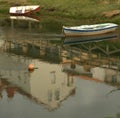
(77, 9)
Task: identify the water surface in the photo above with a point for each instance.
(75, 80)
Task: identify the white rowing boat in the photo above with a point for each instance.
(89, 29)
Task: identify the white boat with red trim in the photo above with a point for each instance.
(24, 10)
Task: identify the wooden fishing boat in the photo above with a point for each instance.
(24, 10)
(89, 29)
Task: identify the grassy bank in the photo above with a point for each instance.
(89, 10)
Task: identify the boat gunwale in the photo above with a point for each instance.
(90, 30)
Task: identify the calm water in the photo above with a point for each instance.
(71, 79)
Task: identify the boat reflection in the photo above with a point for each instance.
(87, 39)
(27, 18)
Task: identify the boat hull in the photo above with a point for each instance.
(24, 10)
(78, 32)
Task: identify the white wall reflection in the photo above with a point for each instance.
(50, 85)
(47, 84)
(106, 74)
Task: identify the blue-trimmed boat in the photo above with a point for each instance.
(89, 29)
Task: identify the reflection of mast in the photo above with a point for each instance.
(69, 80)
(29, 26)
(24, 18)
(12, 23)
(1, 88)
(53, 81)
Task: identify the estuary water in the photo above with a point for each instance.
(71, 79)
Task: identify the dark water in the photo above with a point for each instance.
(71, 79)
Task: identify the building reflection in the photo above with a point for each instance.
(39, 49)
(49, 87)
(49, 84)
(106, 74)
(91, 60)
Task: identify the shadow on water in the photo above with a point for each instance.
(65, 67)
